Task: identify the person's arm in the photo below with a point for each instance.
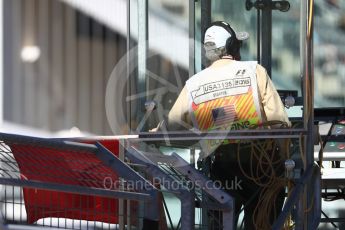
(178, 118)
(271, 102)
(272, 106)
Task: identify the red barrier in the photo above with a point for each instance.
(44, 164)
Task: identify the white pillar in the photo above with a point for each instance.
(1, 62)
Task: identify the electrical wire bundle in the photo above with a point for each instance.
(267, 171)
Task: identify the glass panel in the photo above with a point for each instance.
(285, 40)
(286, 68)
(286, 48)
(168, 54)
(167, 58)
(241, 20)
(329, 53)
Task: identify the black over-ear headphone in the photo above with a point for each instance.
(232, 44)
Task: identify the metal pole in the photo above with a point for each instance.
(205, 15)
(265, 35)
(258, 40)
(142, 53)
(308, 94)
(128, 93)
(307, 61)
(121, 201)
(191, 37)
(205, 22)
(187, 210)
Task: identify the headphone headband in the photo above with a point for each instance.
(232, 44)
(228, 28)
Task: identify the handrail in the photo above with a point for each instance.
(233, 134)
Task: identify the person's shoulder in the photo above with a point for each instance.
(260, 68)
(198, 75)
(247, 64)
(261, 71)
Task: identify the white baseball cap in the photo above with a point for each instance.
(218, 35)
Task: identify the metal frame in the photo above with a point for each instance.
(191, 37)
(234, 134)
(312, 174)
(183, 194)
(140, 50)
(304, 220)
(150, 162)
(147, 195)
(143, 35)
(308, 95)
(205, 6)
(128, 61)
(306, 52)
(128, 173)
(265, 38)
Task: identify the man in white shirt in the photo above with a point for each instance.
(229, 95)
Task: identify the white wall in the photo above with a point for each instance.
(113, 13)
